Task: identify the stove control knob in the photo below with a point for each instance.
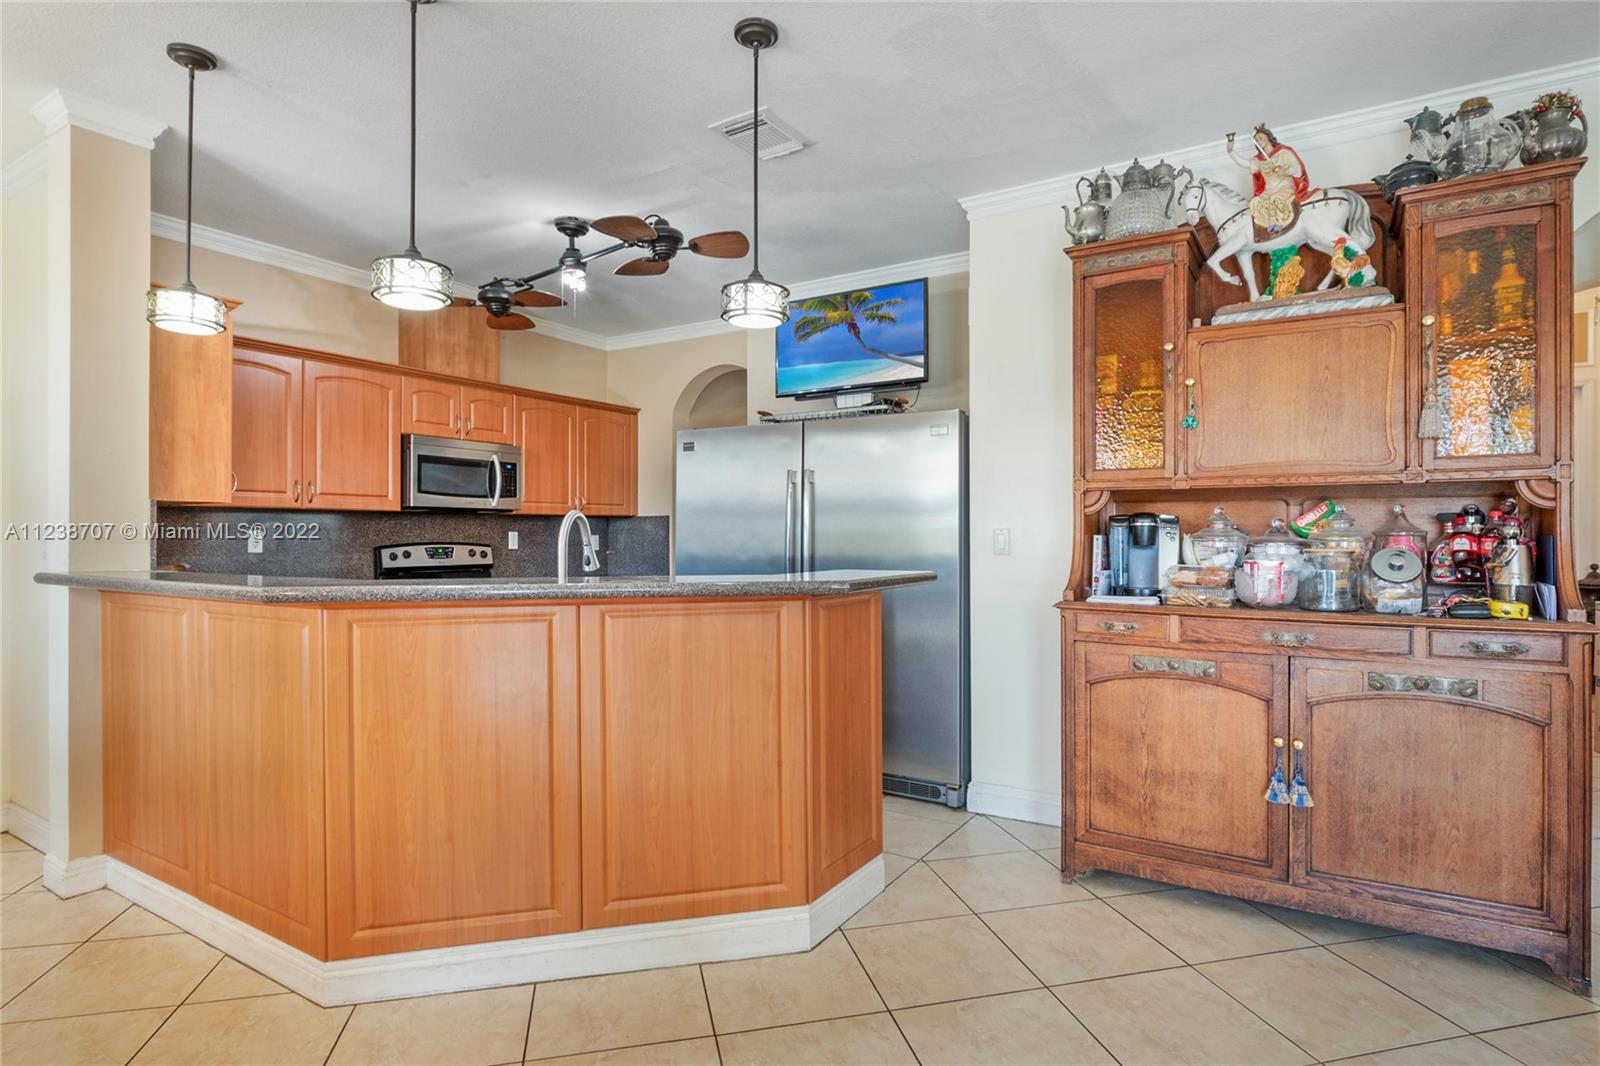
(406, 554)
(393, 556)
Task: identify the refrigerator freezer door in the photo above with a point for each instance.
(737, 500)
(889, 492)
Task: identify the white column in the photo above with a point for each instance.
(96, 443)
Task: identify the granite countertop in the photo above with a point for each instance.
(252, 588)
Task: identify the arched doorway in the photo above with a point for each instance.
(713, 399)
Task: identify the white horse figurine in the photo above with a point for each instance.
(1323, 219)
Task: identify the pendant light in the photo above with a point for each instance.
(408, 280)
(186, 309)
(755, 302)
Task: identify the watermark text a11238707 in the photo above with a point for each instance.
(99, 531)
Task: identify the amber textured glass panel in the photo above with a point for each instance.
(1486, 344)
(1129, 368)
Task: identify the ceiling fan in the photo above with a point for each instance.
(503, 304)
(653, 235)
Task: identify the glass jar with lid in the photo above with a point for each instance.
(1335, 554)
(1395, 577)
(1269, 576)
(1220, 543)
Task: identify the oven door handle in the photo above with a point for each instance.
(494, 463)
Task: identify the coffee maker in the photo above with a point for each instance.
(1143, 547)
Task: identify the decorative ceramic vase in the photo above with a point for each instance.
(1549, 134)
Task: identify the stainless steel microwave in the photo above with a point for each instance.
(463, 475)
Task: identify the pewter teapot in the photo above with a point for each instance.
(1427, 135)
(1165, 176)
(1087, 222)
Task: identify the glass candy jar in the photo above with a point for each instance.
(1478, 142)
(1395, 577)
(1220, 543)
(1269, 576)
(1335, 554)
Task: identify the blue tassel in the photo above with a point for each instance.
(1277, 790)
(1299, 794)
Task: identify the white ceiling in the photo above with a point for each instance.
(533, 110)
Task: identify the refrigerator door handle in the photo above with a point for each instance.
(808, 526)
(789, 521)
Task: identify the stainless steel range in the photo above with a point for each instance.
(432, 560)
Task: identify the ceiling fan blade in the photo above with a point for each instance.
(535, 298)
(624, 228)
(510, 322)
(642, 267)
(724, 244)
(462, 301)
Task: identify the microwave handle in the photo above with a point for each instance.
(494, 461)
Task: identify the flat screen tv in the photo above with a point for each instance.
(854, 341)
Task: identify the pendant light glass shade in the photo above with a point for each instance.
(755, 303)
(185, 310)
(410, 282)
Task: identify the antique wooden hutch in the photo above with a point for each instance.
(1448, 758)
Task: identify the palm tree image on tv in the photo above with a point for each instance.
(850, 309)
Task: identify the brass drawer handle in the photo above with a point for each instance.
(1120, 627)
(1497, 649)
(1289, 640)
(1464, 687)
(1158, 664)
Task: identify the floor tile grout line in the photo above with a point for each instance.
(140, 1049)
(67, 956)
(873, 982)
(1425, 1043)
(527, 1030)
(1537, 1021)
(342, 1027)
(1408, 995)
(1045, 985)
(711, 1017)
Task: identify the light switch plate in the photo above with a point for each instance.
(257, 533)
(1002, 542)
(511, 539)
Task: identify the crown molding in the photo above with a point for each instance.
(27, 169)
(61, 109)
(1317, 133)
(216, 240)
(667, 334)
(571, 334)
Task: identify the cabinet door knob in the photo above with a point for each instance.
(311, 491)
(1299, 745)
(1190, 420)
(296, 490)
(233, 481)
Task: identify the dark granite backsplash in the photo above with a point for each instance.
(340, 543)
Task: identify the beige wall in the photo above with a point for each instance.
(24, 733)
(948, 342)
(532, 359)
(721, 403)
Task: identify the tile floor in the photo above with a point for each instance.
(975, 953)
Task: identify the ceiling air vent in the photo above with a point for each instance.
(775, 136)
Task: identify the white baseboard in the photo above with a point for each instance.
(1019, 804)
(75, 877)
(25, 826)
(506, 962)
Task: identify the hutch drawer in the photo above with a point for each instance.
(1295, 635)
(1497, 645)
(1123, 626)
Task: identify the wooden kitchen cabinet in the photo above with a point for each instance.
(260, 740)
(450, 340)
(489, 415)
(453, 732)
(1398, 758)
(191, 415)
(694, 758)
(266, 430)
(1177, 749)
(351, 421)
(438, 408)
(547, 433)
(1323, 398)
(608, 461)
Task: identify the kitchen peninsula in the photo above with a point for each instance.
(371, 789)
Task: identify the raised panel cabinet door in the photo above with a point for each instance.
(1490, 283)
(694, 758)
(352, 438)
(261, 769)
(488, 415)
(1174, 750)
(191, 416)
(547, 433)
(845, 664)
(429, 407)
(1126, 372)
(148, 719)
(608, 461)
(1298, 399)
(266, 430)
(453, 776)
(1436, 785)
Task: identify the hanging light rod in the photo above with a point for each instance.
(186, 309)
(754, 302)
(410, 281)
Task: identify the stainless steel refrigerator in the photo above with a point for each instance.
(873, 492)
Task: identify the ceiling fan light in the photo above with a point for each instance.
(410, 282)
(574, 278)
(755, 303)
(185, 310)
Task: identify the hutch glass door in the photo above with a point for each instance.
(1127, 371)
